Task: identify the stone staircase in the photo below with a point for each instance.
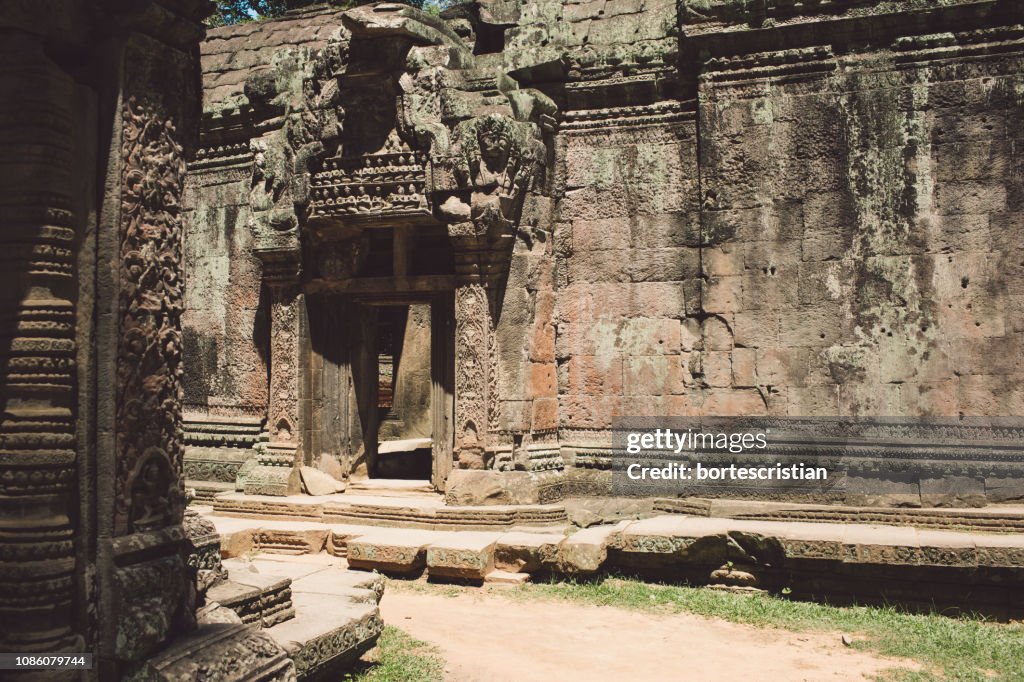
(852, 562)
(324, 616)
(298, 613)
(414, 509)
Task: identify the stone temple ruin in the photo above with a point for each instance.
(378, 274)
(454, 248)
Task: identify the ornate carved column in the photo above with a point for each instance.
(38, 295)
(494, 163)
(146, 591)
(475, 375)
(277, 472)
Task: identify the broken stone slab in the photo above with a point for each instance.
(586, 551)
(226, 652)
(355, 586)
(526, 552)
(388, 550)
(499, 577)
(316, 482)
(328, 634)
(700, 542)
(461, 555)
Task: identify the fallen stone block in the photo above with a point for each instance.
(586, 551)
(392, 551)
(462, 555)
(499, 577)
(316, 482)
(526, 552)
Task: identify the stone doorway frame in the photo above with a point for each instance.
(343, 328)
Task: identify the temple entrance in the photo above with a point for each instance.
(381, 384)
(403, 419)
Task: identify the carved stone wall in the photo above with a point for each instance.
(704, 207)
(99, 101)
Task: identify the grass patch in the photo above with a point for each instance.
(965, 649)
(399, 658)
(961, 649)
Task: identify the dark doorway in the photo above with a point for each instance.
(403, 400)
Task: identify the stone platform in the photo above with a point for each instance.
(825, 561)
(1001, 518)
(416, 510)
(336, 619)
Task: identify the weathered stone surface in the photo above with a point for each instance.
(463, 555)
(585, 551)
(526, 552)
(221, 651)
(389, 551)
(316, 482)
(675, 230)
(328, 634)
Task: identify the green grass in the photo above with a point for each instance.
(964, 649)
(399, 658)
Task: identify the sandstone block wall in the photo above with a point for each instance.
(799, 209)
(831, 232)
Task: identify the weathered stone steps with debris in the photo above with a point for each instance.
(814, 560)
(417, 511)
(334, 616)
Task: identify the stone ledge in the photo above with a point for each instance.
(991, 519)
(462, 556)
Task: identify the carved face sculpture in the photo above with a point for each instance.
(494, 145)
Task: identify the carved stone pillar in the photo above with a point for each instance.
(147, 594)
(474, 341)
(38, 294)
(476, 354)
(277, 470)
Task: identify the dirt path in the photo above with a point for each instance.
(487, 638)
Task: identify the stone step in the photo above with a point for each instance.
(336, 611)
(999, 518)
(862, 561)
(417, 511)
(258, 599)
(392, 487)
(207, 490)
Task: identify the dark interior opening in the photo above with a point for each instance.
(404, 422)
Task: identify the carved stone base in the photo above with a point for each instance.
(275, 474)
(467, 487)
(273, 480)
(220, 651)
